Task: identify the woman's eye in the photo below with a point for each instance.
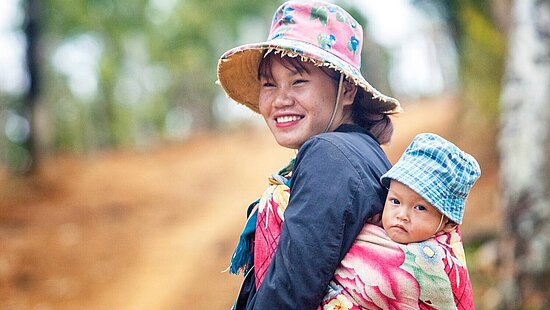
(299, 82)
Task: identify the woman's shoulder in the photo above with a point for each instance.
(344, 150)
(351, 145)
(348, 139)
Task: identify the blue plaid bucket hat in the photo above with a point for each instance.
(438, 171)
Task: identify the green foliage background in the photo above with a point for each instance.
(156, 68)
(157, 58)
(481, 46)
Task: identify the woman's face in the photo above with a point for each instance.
(298, 104)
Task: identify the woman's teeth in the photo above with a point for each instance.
(286, 119)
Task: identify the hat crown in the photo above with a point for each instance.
(445, 161)
(321, 24)
(438, 171)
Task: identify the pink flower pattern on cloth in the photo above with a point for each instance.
(271, 207)
(378, 273)
(383, 284)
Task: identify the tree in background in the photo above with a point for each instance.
(19, 148)
(475, 26)
(481, 31)
(32, 32)
(124, 73)
(117, 73)
(525, 164)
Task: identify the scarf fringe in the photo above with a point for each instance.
(242, 258)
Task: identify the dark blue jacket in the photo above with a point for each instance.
(335, 188)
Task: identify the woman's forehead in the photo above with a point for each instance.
(294, 65)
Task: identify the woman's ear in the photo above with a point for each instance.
(449, 226)
(349, 90)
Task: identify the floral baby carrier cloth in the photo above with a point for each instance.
(376, 273)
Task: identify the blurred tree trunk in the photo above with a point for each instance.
(32, 34)
(525, 163)
(108, 123)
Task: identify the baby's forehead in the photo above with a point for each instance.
(404, 192)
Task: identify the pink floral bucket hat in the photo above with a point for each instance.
(316, 31)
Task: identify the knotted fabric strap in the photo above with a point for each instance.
(276, 194)
(268, 226)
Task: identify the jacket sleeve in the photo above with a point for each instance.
(321, 221)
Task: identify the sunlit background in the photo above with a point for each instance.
(125, 171)
(131, 73)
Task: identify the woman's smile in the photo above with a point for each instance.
(288, 120)
(297, 103)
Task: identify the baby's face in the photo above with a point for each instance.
(407, 217)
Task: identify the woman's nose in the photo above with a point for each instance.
(283, 98)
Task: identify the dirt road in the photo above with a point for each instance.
(154, 230)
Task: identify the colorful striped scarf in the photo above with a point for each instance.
(252, 240)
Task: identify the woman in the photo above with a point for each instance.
(305, 82)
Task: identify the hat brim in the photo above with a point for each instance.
(238, 71)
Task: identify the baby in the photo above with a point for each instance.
(428, 187)
(416, 260)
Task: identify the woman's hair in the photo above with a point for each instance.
(291, 63)
(371, 116)
(365, 112)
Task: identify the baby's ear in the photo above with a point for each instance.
(449, 226)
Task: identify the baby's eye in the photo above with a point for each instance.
(267, 84)
(420, 207)
(394, 201)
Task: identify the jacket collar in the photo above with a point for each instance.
(355, 128)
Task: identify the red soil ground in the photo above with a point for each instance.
(154, 230)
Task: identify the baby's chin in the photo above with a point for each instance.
(398, 237)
